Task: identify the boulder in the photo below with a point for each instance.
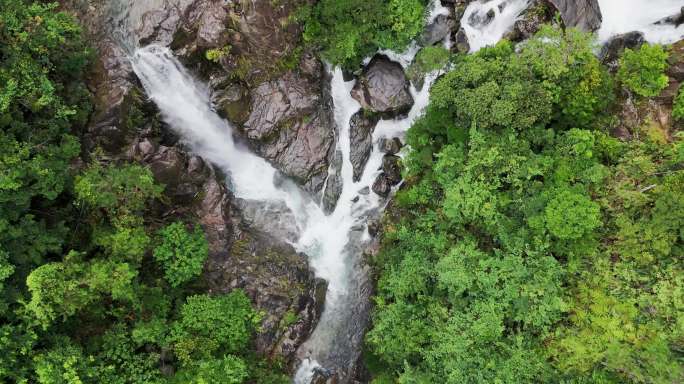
(461, 43)
(382, 185)
(334, 184)
(390, 146)
(435, 32)
(391, 167)
(278, 281)
(361, 128)
(273, 215)
(479, 19)
(582, 14)
(383, 87)
(613, 49)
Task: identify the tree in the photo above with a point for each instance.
(213, 326)
(227, 370)
(570, 215)
(60, 290)
(116, 197)
(181, 253)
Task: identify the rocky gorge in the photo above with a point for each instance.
(277, 95)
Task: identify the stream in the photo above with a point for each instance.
(335, 242)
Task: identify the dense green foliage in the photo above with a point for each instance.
(530, 246)
(182, 253)
(642, 70)
(346, 31)
(94, 286)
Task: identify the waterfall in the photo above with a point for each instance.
(485, 21)
(334, 243)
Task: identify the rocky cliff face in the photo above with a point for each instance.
(283, 113)
(275, 93)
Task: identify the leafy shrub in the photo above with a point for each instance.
(643, 71)
(348, 30)
(570, 215)
(213, 326)
(227, 370)
(427, 60)
(215, 55)
(181, 253)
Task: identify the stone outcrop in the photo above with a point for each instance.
(383, 87)
(581, 14)
(613, 49)
(293, 127)
(361, 128)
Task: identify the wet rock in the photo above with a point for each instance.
(383, 87)
(231, 99)
(364, 191)
(361, 128)
(272, 216)
(437, 31)
(382, 185)
(582, 14)
(676, 20)
(391, 168)
(333, 187)
(613, 49)
(390, 146)
(291, 125)
(478, 19)
(537, 14)
(373, 227)
(461, 43)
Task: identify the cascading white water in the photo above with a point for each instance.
(619, 16)
(485, 21)
(622, 16)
